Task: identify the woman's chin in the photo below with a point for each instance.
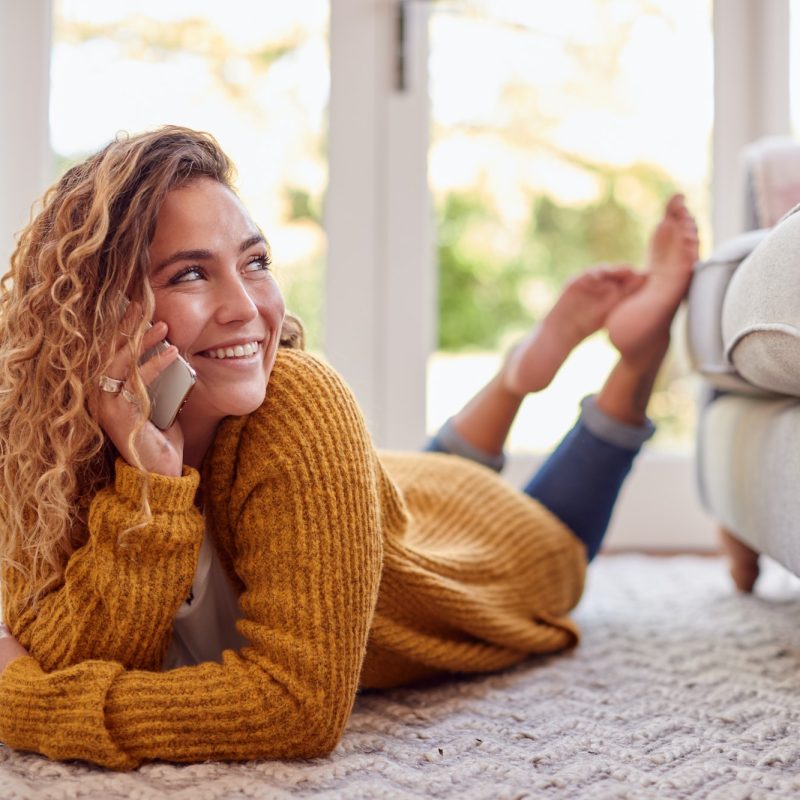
(201, 409)
(240, 407)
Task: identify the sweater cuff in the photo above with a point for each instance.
(163, 494)
(60, 714)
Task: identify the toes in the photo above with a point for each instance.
(638, 279)
(625, 272)
(688, 223)
(597, 271)
(634, 283)
(592, 279)
(676, 207)
(691, 240)
(614, 272)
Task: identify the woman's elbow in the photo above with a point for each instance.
(317, 748)
(319, 729)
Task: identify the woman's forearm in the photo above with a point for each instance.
(122, 588)
(304, 529)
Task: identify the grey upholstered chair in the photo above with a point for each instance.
(744, 336)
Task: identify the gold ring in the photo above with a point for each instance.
(110, 385)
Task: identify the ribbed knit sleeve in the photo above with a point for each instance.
(292, 497)
(122, 587)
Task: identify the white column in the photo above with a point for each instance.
(380, 295)
(751, 95)
(25, 156)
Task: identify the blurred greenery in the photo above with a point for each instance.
(143, 39)
(483, 295)
(302, 288)
(303, 205)
(476, 289)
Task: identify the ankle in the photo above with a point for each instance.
(532, 364)
(506, 385)
(627, 409)
(626, 393)
(506, 378)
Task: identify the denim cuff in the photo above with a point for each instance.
(613, 431)
(449, 440)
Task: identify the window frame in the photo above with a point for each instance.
(25, 155)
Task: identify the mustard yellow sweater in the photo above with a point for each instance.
(354, 570)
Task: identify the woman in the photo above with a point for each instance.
(124, 570)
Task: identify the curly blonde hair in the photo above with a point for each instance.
(61, 303)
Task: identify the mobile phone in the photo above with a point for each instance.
(168, 392)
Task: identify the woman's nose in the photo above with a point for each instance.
(234, 303)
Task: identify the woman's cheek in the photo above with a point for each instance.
(184, 321)
(277, 307)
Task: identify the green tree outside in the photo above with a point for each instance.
(482, 296)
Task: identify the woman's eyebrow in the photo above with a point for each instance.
(257, 238)
(182, 255)
(204, 255)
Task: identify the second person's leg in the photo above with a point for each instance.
(480, 429)
(580, 481)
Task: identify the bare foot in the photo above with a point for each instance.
(647, 313)
(581, 310)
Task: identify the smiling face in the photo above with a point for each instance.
(209, 270)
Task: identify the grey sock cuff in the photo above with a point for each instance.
(452, 442)
(613, 431)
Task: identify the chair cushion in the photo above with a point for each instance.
(748, 462)
(704, 318)
(761, 311)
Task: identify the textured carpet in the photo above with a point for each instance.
(681, 688)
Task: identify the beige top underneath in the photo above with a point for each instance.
(205, 624)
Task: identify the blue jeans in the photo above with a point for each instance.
(580, 480)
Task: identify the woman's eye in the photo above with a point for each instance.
(186, 275)
(258, 264)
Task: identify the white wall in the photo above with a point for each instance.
(25, 160)
(751, 96)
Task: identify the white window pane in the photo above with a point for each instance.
(559, 130)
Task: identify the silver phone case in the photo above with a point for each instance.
(168, 392)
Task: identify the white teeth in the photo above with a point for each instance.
(238, 351)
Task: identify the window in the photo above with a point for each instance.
(255, 75)
(558, 132)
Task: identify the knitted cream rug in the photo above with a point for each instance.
(680, 688)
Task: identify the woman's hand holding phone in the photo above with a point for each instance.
(159, 451)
